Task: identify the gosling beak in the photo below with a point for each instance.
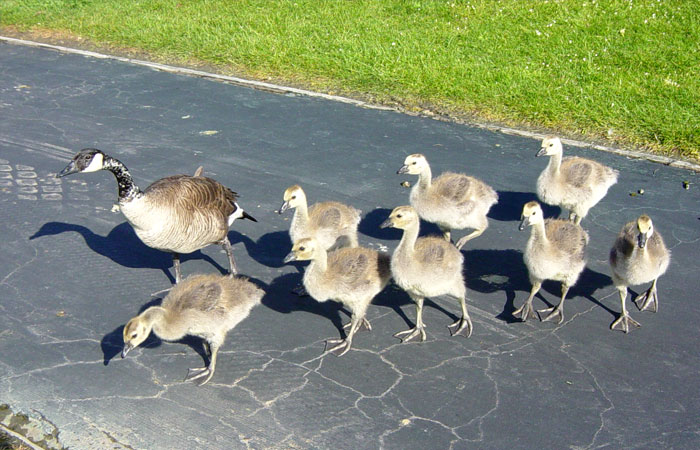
(387, 223)
(283, 208)
(69, 169)
(542, 152)
(523, 223)
(290, 257)
(642, 240)
(127, 348)
(403, 169)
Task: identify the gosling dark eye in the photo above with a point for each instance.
(302, 248)
(293, 197)
(134, 335)
(398, 216)
(414, 163)
(551, 145)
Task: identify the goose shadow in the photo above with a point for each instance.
(510, 206)
(488, 271)
(122, 246)
(269, 250)
(113, 342)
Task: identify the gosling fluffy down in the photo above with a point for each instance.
(556, 251)
(452, 201)
(574, 183)
(638, 256)
(332, 224)
(207, 306)
(351, 276)
(426, 267)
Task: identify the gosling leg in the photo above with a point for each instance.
(525, 312)
(556, 311)
(176, 266)
(648, 300)
(363, 326)
(229, 252)
(419, 330)
(463, 326)
(469, 237)
(204, 372)
(624, 321)
(446, 234)
(342, 346)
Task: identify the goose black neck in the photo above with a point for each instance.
(127, 189)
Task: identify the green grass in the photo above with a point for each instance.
(622, 70)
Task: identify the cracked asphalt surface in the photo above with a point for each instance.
(72, 272)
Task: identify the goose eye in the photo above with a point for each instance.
(551, 145)
(302, 248)
(134, 335)
(398, 216)
(414, 163)
(293, 197)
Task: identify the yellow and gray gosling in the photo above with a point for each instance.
(638, 256)
(451, 201)
(555, 251)
(574, 183)
(177, 214)
(426, 267)
(351, 276)
(332, 224)
(207, 306)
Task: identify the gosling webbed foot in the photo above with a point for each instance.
(364, 325)
(411, 334)
(623, 323)
(197, 373)
(462, 326)
(525, 312)
(554, 312)
(339, 346)
(647, 301)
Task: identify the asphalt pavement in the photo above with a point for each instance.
(72, 273)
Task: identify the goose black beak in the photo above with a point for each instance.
(69, 169)
(127, 348)
(523, 223)
(387, 223)
(290, 257)
(542, 152)
(403, 169)
(642, 240)
(283, 208)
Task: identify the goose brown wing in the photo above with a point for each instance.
(431, 251)
(352, 264)
(194, 193)
(577, 171)
(193, 294)
(570, 238)
(453, 186)
(326, 216)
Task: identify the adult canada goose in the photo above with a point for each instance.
(451, 201)
(426, 267)
(332, 224)
(177, 214)
(207, 306)
(638, 256)
(351, 276)
(574, 183)
(555, 251)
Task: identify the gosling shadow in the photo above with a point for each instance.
(369, 225)
(122, 246)
(269, 250)
(510, 206)
(489, 271)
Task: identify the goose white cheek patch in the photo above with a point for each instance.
(95, 164)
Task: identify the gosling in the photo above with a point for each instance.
(574, 183)
(332, 224)
(207, 306)
(555, 251)
(351, 276)
(638, 256)
(176, 214)
(426, 267)
(451, 201)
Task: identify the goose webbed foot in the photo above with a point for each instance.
(411, 334)
(462, 326)
(647, 301)
(525, 312)
(300, 291)
(554, 312)
(623, 323)
(364, 325)
(201, 374)
(338, 347)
